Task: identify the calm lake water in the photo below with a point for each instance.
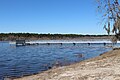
(27, 60)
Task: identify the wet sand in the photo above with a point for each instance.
(103, 67)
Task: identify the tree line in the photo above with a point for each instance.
(36, 36)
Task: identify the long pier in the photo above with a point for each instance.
(60, 42)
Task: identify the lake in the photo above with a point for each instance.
(18, 61)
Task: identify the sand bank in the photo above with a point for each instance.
(104, 67)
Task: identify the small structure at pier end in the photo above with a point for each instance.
(20, 43)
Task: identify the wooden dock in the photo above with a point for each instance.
(25, 43)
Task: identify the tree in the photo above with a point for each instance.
(110, 10)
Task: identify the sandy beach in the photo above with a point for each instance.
(103, 67)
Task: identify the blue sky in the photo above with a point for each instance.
(49, 16)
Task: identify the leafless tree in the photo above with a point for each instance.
(110, 10)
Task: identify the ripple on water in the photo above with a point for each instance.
(26, 60)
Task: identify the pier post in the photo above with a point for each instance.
(74, 44)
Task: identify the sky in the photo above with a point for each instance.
(49, 16)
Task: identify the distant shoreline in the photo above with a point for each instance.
(34, 36)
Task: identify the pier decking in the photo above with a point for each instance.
(59, 42)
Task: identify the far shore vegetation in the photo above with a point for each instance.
(35, 36)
